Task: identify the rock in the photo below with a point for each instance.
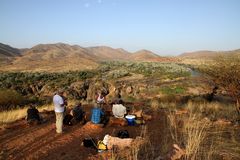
(95, 87)
(146, 117)
(179, 112)
(47, 90)
(222, 122)
(129, 90)
(78, 90)
(89, 126)
(137, 113)
(176, 153)
(155, 103)
(122, 143)
(117, 121)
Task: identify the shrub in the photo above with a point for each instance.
(129, 98)
(225, 72)
(155, 104)
(9, 98)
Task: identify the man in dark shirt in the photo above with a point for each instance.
(33, 115)
(78, 113)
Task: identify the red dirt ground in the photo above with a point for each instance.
(21, 141)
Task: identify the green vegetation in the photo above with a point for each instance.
(21, 88)
(10, 98)
(38, 87)
(129, 98)
(173, 90)
(148, 69)
(15, 79)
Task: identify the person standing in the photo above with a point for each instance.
(59, 108)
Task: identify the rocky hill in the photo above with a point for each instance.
(144, 55)
(53, 57)
(64, 57)
(8, 51)
(104, 53)
(207, 54)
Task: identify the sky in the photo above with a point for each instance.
(166, 27)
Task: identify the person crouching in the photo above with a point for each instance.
(98, 116)
(33, 116)
(78, 114)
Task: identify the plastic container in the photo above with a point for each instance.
(130, 120)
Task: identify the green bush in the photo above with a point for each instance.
(10, 98)
(148, 69)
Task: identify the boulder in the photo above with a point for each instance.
(95, 87)
(129, 90)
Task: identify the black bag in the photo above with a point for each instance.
(123, 134)
(89, 143)
(68, 120)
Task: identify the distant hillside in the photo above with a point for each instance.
(148, 56)
(56, 51)
(234, 52)
(7, 54)
(53, 57)
(144, 55)
(207, 54)
(8, 51)
(64, 57)
(103, 53)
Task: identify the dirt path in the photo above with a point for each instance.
(20, 141)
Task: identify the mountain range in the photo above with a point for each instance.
(64, 57)
(8, 51)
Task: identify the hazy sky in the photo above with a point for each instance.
(166, 27)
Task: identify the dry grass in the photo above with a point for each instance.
(214, 110)
(189, 130)
(16, 114)
(157, 103)
(203, 138)
(225, 142)
(195, 131)
(173, 127)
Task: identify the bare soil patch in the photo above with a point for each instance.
(21, 141)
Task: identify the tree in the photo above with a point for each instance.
(225, 73)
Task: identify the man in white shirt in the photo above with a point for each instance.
(119, 110)
(59, 108)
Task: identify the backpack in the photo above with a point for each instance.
(68, 120)
(101, 145)
(123, 134)
(89, 143)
